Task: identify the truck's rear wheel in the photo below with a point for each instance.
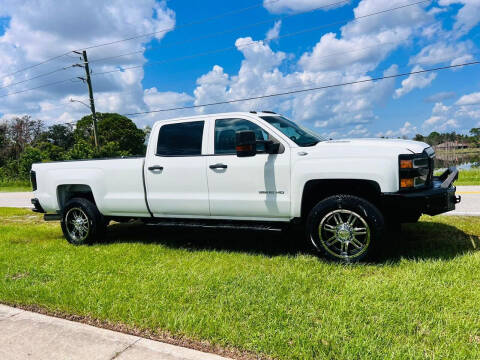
(81, 222)
(345, 228)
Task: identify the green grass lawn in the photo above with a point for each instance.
(15, 186)
(473, 151)
(260, 293)
(468, 177)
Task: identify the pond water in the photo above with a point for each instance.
(461, 161)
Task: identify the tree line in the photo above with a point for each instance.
(24, 141)
(435, 138)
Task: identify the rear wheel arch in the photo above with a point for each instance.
(70, 191)
(319, 189)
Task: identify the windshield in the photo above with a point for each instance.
(300, 135)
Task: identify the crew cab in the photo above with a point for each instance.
(251, 170)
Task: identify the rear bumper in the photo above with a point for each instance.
(47, 217)
(36, 206)
(438, 199)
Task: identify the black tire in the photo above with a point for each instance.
(90, 227)
(345, 222)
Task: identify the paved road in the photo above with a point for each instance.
(16, 199)
(470, 204)
(28, 335)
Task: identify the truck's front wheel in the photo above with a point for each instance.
(345, 228)
(81, 222)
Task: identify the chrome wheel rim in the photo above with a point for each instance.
(77, 224)
(344, 234)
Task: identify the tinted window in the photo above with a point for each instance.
(180, 139)
(225, 137)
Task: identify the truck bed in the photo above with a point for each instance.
(117, 184)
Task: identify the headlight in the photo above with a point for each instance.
(415, 170)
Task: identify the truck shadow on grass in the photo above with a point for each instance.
(423, 240)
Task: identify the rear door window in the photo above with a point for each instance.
(181, 139)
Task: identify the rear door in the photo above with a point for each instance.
(175, 170)
(246, 187)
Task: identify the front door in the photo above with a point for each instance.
(175, 171)
(246, 187)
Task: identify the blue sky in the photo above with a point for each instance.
(421, 36)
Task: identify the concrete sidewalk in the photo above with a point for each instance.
(28, 335)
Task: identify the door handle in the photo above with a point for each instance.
(155, 167)
(218, 166)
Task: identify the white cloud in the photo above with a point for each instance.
(358, 51)
(295, 6)
(363, 44)
(212, 87)
(37, 32)
(158, 100)
(443, 52)
(467, 17)
(415, 81)
(411, 17)
(444, 95)
(408, 130)
(335, 59)
(458, 117)
(469, 99)
(259, 74)
(358, 131)
(439, 108)
(273, 33)
(352, 55)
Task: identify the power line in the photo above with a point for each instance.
(39, 87)
(221, 49)
(255, 42)
(306, 90)
(230, 47)
(212, 35)
(37, 77)
(180, 42)
(233, 12)
(37, 64)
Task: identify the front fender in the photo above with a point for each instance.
(381, 170)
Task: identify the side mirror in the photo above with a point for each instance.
(272, 147)
(246, 143)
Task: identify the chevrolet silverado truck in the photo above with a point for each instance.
(253, 170)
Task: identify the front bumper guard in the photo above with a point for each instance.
(438, 199)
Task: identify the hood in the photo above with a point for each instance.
(395, 145)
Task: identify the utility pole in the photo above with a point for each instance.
(90, 93)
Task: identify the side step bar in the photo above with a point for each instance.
(232, 225)
(52, 217)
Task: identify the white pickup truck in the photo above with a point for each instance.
(251, 170)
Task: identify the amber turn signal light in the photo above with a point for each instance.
(406, 183)
(406, 164)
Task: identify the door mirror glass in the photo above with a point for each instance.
(246, 143)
